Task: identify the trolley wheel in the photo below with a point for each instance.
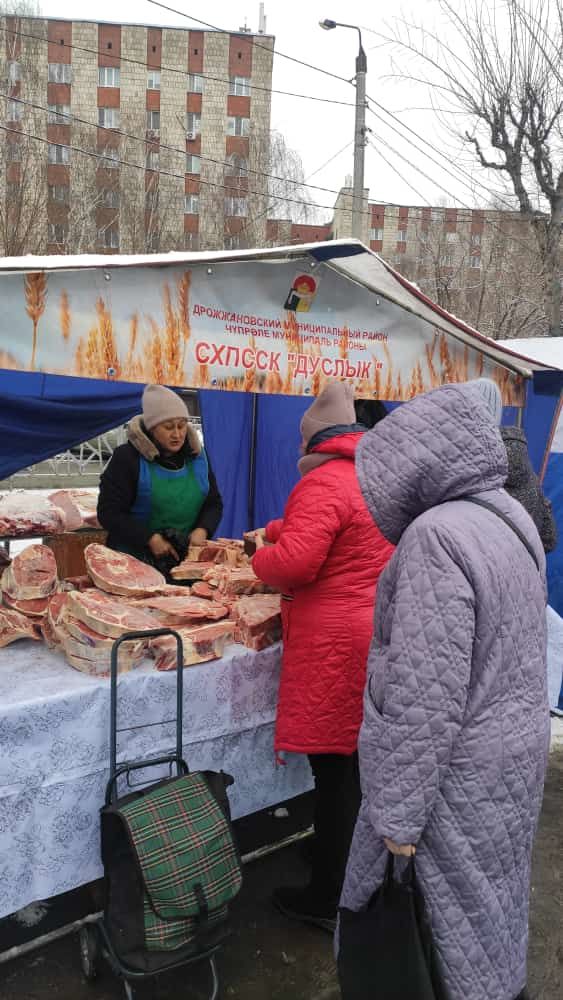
(89, 952)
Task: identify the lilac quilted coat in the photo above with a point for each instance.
(454, 743)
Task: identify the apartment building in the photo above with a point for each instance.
(132, 138)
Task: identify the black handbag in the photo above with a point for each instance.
(386, 950)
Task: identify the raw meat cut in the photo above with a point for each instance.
(87, 503)
(24, 513)
(201, 589)
(222, 550)
(90, 651)
(232, 583)
(184, 610)
(117, 573)
(32, 574)
(14, 626)
(189, 570)
(258, 620)
(200, 644)
(77, 583)
(33, 609)
(106, 615)
(51, 623)
(72, 517)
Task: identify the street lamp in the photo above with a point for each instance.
(359, 128)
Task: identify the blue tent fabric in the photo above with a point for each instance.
(227, 429)
(277, 453)
(539, 413)
(42, 415)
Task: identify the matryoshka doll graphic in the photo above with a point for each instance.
(302, 293)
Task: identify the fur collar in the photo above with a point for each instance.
(139, 438)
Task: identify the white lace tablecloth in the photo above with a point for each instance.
(54, 753)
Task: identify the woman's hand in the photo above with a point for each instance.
(405, 850)
(160, 547)
(198, 536)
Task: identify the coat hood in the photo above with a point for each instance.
(143, 443)
(340, 442)
(440, 446)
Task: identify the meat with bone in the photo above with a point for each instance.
(72, 517)
(107, 615)
(222, 550)
(200, 644)
(201, 589)
(184, 610)
(14, 626)
(24, 513)
(231, 583)
(33, 609)
(86, 501)
(117, 573)
(189, 570)
(31, 575)
(90, 651)
(258, 620)
(51, 623)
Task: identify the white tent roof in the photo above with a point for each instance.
(348, 257)
(547, 350)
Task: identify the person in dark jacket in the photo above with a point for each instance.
(523, 485)
(160, 485)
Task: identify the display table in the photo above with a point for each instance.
(54, 735)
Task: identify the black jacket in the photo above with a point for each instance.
(523, 485)
(118, 491)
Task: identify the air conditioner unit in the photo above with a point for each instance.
(190, 136)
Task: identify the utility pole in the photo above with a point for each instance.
(359, 128)
(359, 144)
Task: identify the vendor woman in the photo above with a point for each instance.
(159, 487)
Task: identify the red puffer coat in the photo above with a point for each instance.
(326, 560)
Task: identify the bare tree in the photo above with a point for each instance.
(501, 68)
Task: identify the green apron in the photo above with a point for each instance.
(176, 499)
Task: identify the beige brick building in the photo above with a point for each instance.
(195, 107)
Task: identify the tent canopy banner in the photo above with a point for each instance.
(279, 322)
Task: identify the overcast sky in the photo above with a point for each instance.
(317, 130)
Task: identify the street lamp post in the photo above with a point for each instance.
(359, 128)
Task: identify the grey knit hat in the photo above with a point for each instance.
(160, 404)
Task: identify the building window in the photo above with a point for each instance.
(59, 73)
(193, 164)
(13, 152)
(153, 160)
(195, 83)
(236, 207)
(446, 260)
(232, 242)
(237, 166)
(108, 76)
(57, 233)
(59, 114)
(193, 124)
(58, 154)
(437, 214)
(109, 159)
(153, 79)
(151, 199)
(15, 111)
(191, 241)
(153, 122)
(238, 126)
(476, 260)
(14, 73)
(401, 236)
(60, 193)
(191, 204)
(108, 117)
(476, 239)
(239, 86)
(376, 234)
(109, 238)
(109, 198)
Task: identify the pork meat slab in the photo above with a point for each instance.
(72, 517)
(200, 644)
(106, 614)
(32, 609)
(31, 575)
(185, 610)
(14, 626)
(190, 570)
(23, 513)
(117, 573)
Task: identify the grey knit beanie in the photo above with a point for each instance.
(160, 404)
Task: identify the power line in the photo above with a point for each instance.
(174, 69)
(255, 44)
(404, 180)
(161, 145)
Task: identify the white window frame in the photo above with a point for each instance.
(59, 73)
(109, 118)
(52, 234)
(151, 199)
(476, 239)
(109, 238)
(153, 79)
(14, 111)
(109, 198)
(191, 241)
(193, 160)
(239, 86)
(236, 208)
(55, 189)
(109, 76)
(195, 83)
(195, 118)
(191, 204)
(437, 214)
(59, 114)
(401, 236)
(376, 234)
(153, 122)
(238, 125)
(14, 72)
(475, 261)
(446, 260)
(109, 158)
(11, 147)
(58, 153)
(152, 160)
(236, 166)
(451, 237)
